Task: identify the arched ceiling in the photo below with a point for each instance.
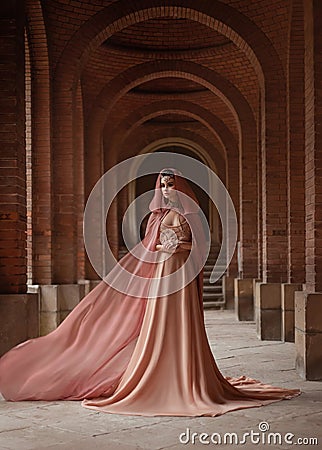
(167, 34)
(168, 86)
(172, 37)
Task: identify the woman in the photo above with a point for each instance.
(141, 349)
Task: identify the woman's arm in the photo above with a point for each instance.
(169, 247)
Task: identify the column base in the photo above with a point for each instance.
(308, 335)
(86, 286)
(244, 299)
(268, 311)
(56, 302)
(228, 291)
(19, 319)
(287, 303)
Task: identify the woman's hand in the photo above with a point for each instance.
(173, 247)
(167, 246)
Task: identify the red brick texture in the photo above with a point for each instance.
(238, 79)
(313, 143)
(296, 146)
(40, 151)
(13, 217)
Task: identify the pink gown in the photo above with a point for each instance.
(172, 370)
(130, 356)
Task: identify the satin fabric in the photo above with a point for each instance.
(172, 370)
(89, 351)
(118, 353)
(84, 357)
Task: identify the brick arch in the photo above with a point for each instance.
(198, 151)
(217, 15)
(229, 147)
(171, 132)
(227, 165)
(136, 75)
(41, 145)
(147, 71)
(187, 108)
(241, 110)
(144, 139)
(172, 135)
(263, 56)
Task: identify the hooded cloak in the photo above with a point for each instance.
(86, 355)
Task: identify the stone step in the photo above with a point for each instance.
(217, 283)
(212, 288)
(208, 272)
(214, 305)
(209, 296)
(206, 276)
(206, 282)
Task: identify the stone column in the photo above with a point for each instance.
(56, 302)
(295, 146)
(228, 291)
(308, 304)
(287, 301)
(18, 309)
(273, 214)
(18, 319)
(308, 335)
(244, 299)
(268, 311)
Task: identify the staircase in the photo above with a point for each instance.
(213, 296)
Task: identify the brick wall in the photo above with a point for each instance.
(12, 156)
(106, 78)
(313, 158)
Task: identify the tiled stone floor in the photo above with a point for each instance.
(66, 425)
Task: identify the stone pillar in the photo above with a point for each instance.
(268, 311)
(228, 291)
(18, 319)
(13, 215)
(86, 286)
(295, 145)
(93, 284)
(40, 147)
(308, 335)
(287, 301)
(313, 144)
(308, 304)
(56, 302)
(18, 310)
(244, 299)
(255, 281)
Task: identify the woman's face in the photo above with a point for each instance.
(168, 188)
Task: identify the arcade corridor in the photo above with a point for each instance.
(234, 84)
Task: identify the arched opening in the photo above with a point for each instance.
(143, 184)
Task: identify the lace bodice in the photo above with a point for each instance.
(179, 233)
